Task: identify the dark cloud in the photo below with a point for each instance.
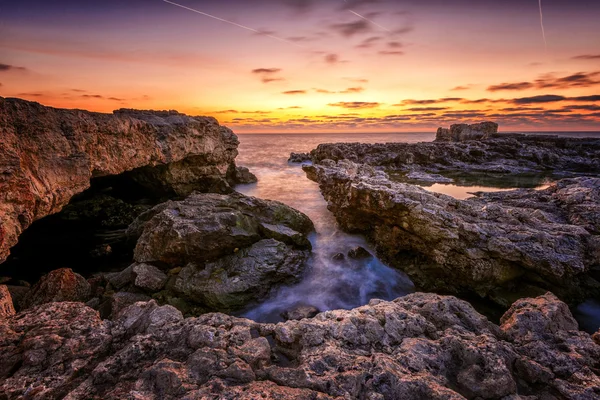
(294, 92)
(350, 29)
(587, 57)
(31, 94)
(580, 79)
(510, 86)
(92, 96)
(409, 102)
(583, 107)
(8, 67)
(395, 45)
(418, 109)
(586, 98)
(78, 90)
(355, 104)
(115, 99)
(268, 74)
(551, 98)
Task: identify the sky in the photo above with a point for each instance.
(312, 65)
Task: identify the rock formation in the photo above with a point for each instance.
(464, 132)
(503, 245)
(48, 155)
(215, 252)
(422, 346)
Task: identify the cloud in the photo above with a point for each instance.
(350, 29)
(300, 6)
(268, 74)
(355, 104)
(391, 53)
(510, 86)
(357, 80)
(294, 92)
(428, 101)
(580, 79)
(369, 42)
(8, 67)
(418, 109)
(395, 45)
(353, 90)
(551, 98)
(587, 57)
(31, 94)
(227, 112)
(459, 88)
(332, 58)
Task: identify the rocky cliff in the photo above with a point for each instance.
(48, 155)
(422, 346)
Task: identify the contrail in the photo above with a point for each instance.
(542, 24)
(368, 20)
(235, 24)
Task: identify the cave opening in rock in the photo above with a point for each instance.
(88, 235)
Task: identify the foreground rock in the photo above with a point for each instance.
(47, 155)
(59, 285)
(422, 346)
(7, 308)
(219, 252)
(503, 245)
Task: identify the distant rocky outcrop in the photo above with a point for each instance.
(502, 245)
(464, 132)
(299, 157)
(422, 346)
(48, 155)
(213, 252)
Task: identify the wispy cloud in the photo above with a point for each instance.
(355, 104)
(349, 29)
(579, 79)
(268, 75)
(293, 92)
(587, 57)
(8, 67)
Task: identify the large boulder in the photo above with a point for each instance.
(58, 285)
(422, 346)
(503, 245)
(226, 250)
(465, 132)
(48, 155)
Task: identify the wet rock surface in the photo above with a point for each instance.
(503, 245)
(213, 252)
(422, 346)
(48, 155)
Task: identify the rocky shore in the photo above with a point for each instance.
(151, 195)
(503, 245)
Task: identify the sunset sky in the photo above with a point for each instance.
(312, 65)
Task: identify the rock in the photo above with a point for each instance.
(299, 157)
(18, 294)
(502, 155)
(464, 132)
(48, 155)
(120, 279)
(243, 175)
(232, 249)
(148, 277)
(422, 346)
(7, 309)
(338, 257)
(430, 178)
(359, 253)
(502, 245)
(232, 282)
(58, 285)
(122, 300)
(300, 312)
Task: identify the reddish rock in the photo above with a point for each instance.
(47, 155)
(59, 285)
(7, 308)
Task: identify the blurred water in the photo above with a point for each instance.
(328, 284)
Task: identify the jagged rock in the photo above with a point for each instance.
(232, 248)
(300, 312)
(359, 253)
(7, 309)
(422, 346)
(464, 132)
(18, 294)
(504, 245)
(299, 157)
(243, 175)
(430, 178)
(58, 285)
(148, 277)
(121, 300)
(501, 154)
(47, 155)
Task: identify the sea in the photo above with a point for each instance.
(329, 284)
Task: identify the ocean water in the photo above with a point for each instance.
(328, 284)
